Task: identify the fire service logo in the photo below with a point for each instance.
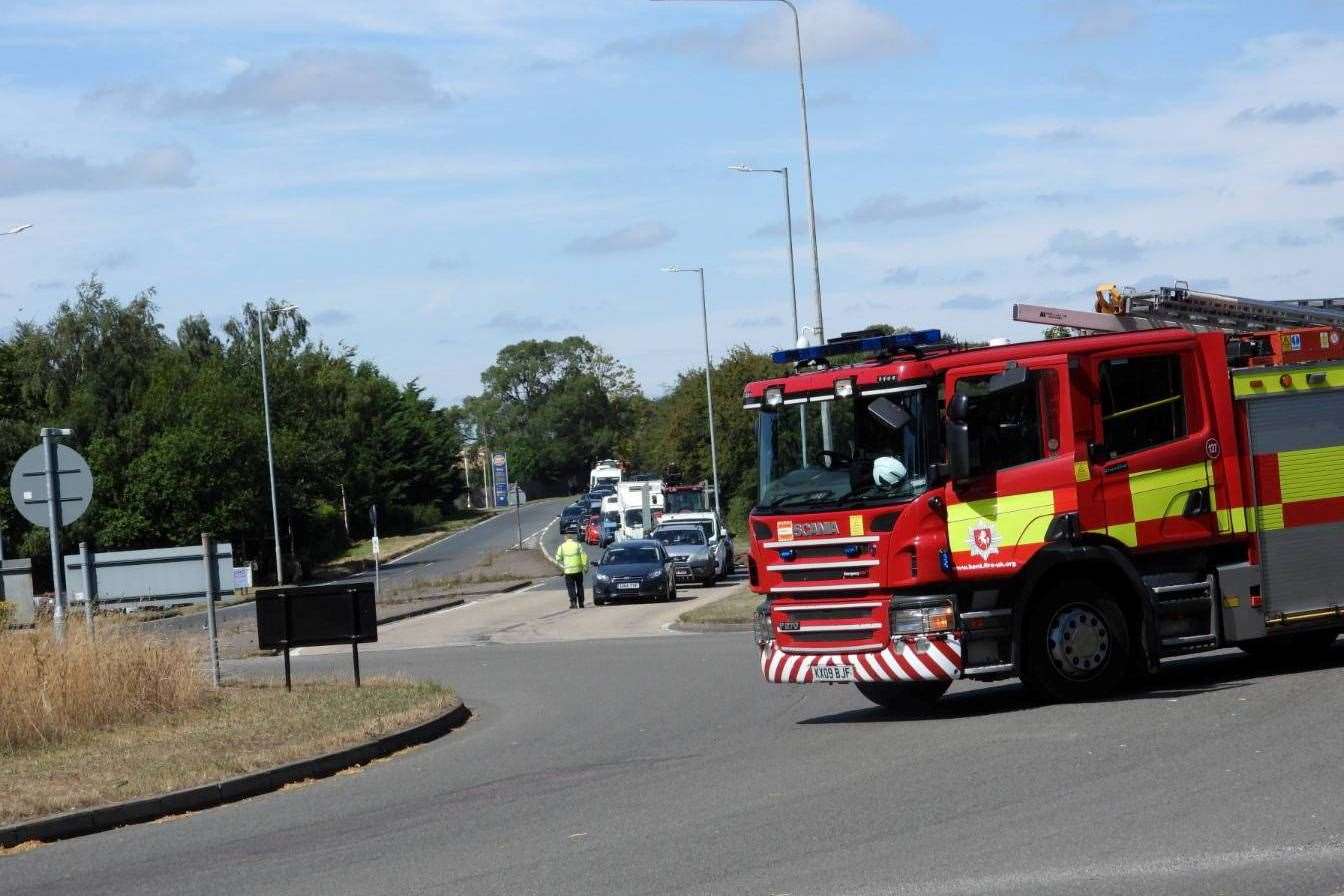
(984, 540)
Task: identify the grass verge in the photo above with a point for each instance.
(395, 545)
(238, 729)
(736, 608)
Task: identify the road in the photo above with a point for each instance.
(598, 764)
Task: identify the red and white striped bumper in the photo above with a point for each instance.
(900, 660)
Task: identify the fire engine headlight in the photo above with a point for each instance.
(774, 396)
(844, 388)
(760, 625)
(936, 616)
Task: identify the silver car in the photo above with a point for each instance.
(693, 558)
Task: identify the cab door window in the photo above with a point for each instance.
(1012, 426)
(1142, 403)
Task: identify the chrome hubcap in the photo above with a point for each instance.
(1078, 641)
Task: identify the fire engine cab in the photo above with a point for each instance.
(1068, 511)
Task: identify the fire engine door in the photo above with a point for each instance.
(1151, 447)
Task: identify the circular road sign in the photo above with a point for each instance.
(28, 485)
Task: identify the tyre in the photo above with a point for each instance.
(1077, 642)
(709, 580)
(597, 601)
(1302, 647)
(913, 698)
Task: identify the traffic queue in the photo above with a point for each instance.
(655, 537)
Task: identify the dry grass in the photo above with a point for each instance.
(239, 729)
(395, 545)
(735, 608)
(52, 692)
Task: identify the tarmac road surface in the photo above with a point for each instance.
(664, 764)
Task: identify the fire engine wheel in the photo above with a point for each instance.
(1077, 643)
(910, 698)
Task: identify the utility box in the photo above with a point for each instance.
(16, 587)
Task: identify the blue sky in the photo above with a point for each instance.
(431, 181)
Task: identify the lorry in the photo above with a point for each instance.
(694, 498)
(607, 472)
(631, 495)
(1070, 512)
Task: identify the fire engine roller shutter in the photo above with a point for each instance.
(1302, 535)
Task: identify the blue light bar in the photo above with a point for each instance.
(874, 344)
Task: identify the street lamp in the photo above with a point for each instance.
(13, 230)
(709, 394)
(788, 225)
(793, 280)
(811, 202)
(270, 455)
(807, 155)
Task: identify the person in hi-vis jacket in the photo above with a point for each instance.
(574, 560)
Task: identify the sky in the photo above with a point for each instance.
(430, 181)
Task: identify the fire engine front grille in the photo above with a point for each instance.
(842, 625)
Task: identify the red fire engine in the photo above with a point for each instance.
(1066, 511)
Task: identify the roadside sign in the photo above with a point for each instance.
(28, 485)
(376, 549)
(499, 461)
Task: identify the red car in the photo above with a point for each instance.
(592, 530)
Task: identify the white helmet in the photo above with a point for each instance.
(888, 471)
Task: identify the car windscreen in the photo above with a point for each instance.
(683, 535)
(618, 556)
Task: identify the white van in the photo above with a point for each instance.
(606, 472)
(631, 497)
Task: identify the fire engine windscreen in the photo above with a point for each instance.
(880, 452)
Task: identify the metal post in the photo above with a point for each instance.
(466, 475)
(377, 563)
(487, 478)
(345, 517)
(90, 584)
(270, 456)
(646, 511)
(709, 393)
(354, 632)
(211, 593)
(54, 512)
(284, 606)
(518, 515)
(793, 288)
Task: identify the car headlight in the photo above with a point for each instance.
(655, 575)
(602, 577)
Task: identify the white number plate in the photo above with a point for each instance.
(627, 586)
(832, 673)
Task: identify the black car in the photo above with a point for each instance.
(572, 519)
(634, 568)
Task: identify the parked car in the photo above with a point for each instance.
(572, 519)
(634, 568)
(592, 530)
(693, 557)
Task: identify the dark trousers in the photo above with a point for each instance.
(574, 585)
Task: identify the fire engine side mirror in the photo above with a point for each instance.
(958, 438)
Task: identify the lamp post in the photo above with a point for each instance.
(818, 329)
(788, 225)
(270, 454)
(793, 280)
(15, 230)
(709, 394)
(807, 154)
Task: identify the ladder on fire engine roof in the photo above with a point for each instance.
(1120, 311)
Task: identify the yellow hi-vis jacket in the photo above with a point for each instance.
(572, 557)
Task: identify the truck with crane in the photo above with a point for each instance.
(1070, 512)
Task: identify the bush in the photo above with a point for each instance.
(53, 692)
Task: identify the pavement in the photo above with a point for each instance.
(600, 763)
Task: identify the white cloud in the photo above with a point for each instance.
(305, 79)
(1109, 246)
(160, 166)
(643, 235)
(1097, 19)
(894, 207)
